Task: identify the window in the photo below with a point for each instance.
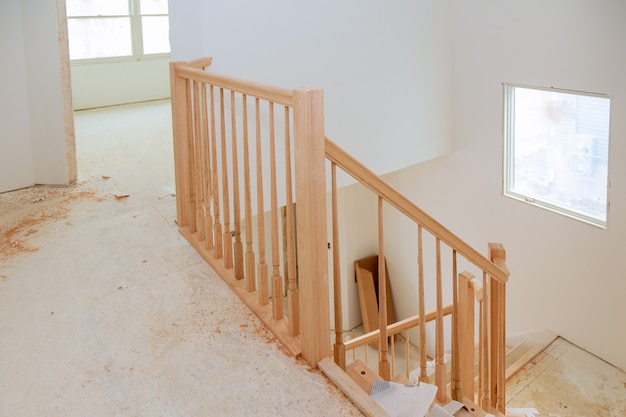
(556, 148)
(117, 29)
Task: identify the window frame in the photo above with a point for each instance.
(508, 160)
(136, 33)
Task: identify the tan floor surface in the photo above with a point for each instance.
(105, 310)
(568, 381)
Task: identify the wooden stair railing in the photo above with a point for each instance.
(466, 291)
(243, 147)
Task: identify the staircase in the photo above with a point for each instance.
(246, 152)
(522, 350)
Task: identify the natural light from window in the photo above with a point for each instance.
(557, 149)
(105, 29)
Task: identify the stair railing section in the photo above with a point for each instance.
(455, 379)
(244, 154)
(241, 149)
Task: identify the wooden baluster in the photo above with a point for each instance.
(440, 366)
(217, 225)
(339, 348)
(393, 356)
(499, 346)
(227, 239)
(190, 173)
(263, 267)
(481, 350)
(422, 307)
(178, 86)
(250, 262)
(407, 355)
(277, 280)
(236, 200)
(198, 164)
(206, 169)
(455, 374)
(383, 363)
(293, 304)
(485, 402)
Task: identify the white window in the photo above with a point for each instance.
(117, 29)
(556, 149)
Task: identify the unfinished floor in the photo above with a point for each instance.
(105, 310)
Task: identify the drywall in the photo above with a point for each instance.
(566, 275)
(358, 234)
(384, 67)
(16, 167)
(45, 94)
(112, 83)
(33, 138)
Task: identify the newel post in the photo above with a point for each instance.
(309, 151)
(180, 113)
(497, 311)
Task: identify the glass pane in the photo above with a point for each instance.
(153, 6)
(156, 34)
(97, 8)
(99, 37)
(561, 149)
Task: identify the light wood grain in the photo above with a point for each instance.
(422, 312)
(361, 173)
(266, 92)
(215, 193)
(198, 176)
(277, 280)
(396, 328)
(311, 223)
(466, 332)
(227, 240)
(238, 244)
(66, 90)
(262, 266)
(383, 362)
(179, 107)
(293, 296)
(206, 168)
(354, 392)
(440, 366)
(250, 274)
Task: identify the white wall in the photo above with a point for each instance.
(385, 72)
(33, 140)
(16, 166)
(566, 275)
(384, 67)
(45, 92)
(108, 84)
(433, 71)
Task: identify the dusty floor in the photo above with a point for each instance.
(106, 311)
(568, 381)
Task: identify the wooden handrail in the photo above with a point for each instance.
(395, 328)
(266, 92)
(200, 62)
(379, 186)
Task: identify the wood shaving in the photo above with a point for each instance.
(22, 220)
